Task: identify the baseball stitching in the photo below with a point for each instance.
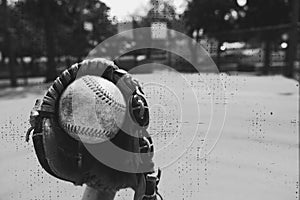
(104, 96)
(102, 93)
(87, 131)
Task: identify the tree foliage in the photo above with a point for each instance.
(223, 15)
(208, 15)
(55, 28)
(265, 13)
(160, 11)
(262, 20)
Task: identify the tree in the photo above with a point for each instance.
(8, 43)
(223, 18)
(209, 15)
(29, 36)
(268, 13)
(159, 11)
(223, 15)
(86, 24)
(293, 34)
(45, 15)
(63, 24)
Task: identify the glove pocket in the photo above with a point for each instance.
(59, 154)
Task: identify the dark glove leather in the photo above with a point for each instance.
(67, 159)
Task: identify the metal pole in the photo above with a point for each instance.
(293, 40)
(8, 45)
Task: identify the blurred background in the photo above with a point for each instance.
(39, 39)
(248, 119)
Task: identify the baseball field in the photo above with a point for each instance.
(217, 137)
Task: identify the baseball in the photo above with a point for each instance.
(92, 109)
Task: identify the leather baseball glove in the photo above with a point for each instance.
(68, 159)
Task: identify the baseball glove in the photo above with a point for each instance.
(68, 159)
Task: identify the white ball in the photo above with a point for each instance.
(92, 109)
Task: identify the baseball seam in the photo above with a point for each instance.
(105, 96)
(102, 93)
(86, 131)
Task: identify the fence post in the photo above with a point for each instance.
(293, 40)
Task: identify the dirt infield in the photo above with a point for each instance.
(256, 156)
